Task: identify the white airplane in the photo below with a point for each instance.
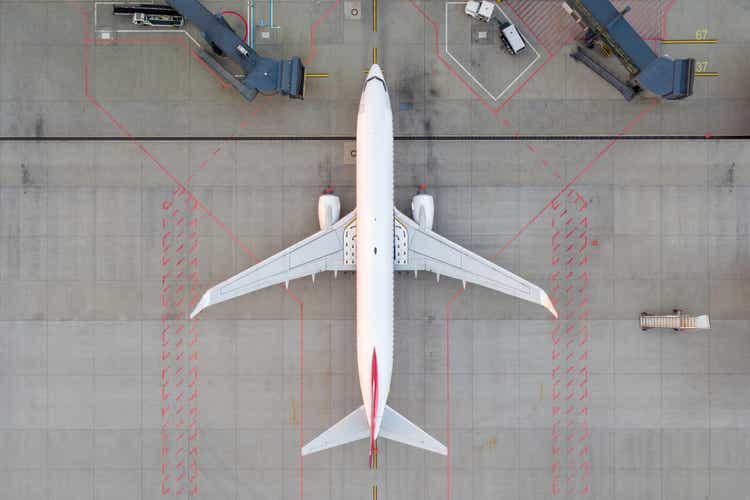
(374, 240)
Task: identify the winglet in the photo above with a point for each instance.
(202, 304)
(547, 303)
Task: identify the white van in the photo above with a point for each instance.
(480, 10)
(511, 38)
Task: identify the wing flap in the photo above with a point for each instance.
(428, 251)
(322, 251)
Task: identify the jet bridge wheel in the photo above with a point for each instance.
(216, 50)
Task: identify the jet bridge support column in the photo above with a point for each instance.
(262, 74)
(626, 90)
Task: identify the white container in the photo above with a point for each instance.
(480, 10)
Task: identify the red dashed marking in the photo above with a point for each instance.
(166, 261)
(179, 427)
(570, 468)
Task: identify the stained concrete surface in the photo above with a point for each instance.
(80, 276)
(81, 267)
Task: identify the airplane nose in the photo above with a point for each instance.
(375, 71)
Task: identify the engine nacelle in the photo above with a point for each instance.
(329, 210)
(423, 210)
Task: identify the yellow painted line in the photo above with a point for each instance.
(686, 41)
(374, 16)
(707, 73)
(374, 55)
(316, 75)
(374, 492)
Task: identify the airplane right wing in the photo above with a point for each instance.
(425, 250)
(322, 251)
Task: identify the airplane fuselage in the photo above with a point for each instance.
(369, 241)
(374, 248)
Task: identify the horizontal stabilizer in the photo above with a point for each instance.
(397, 428)
(352, 427)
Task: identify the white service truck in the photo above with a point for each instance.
(511, 38)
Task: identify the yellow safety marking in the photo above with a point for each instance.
(374, 492)
(686, 41)
(374, 16)
(316, 75)
(706, 73)
(374, 55)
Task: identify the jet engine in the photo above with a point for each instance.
(329, 209)
(423, 209)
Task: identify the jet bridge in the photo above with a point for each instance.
(262, 74)
(670, 79)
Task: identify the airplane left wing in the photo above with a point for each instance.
(428, 251)
(322, 251)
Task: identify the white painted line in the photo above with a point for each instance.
(501, 94)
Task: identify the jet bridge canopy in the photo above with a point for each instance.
(671, 79)
(262, 74)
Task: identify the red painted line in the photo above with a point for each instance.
(242, 18)
(314, 28)
(664, 18)
(528, 27)
(182, 189)
(143, 149)
(578, 176)
(225, 84)
(164, 40)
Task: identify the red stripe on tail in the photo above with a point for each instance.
(374, 382)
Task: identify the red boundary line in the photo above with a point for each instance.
(314, 29)
(234, 238)
(466, 84)
(183, 189)
(177, 40)
(530, 30)
(448, 305)
(572, 182)
(580, 174)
